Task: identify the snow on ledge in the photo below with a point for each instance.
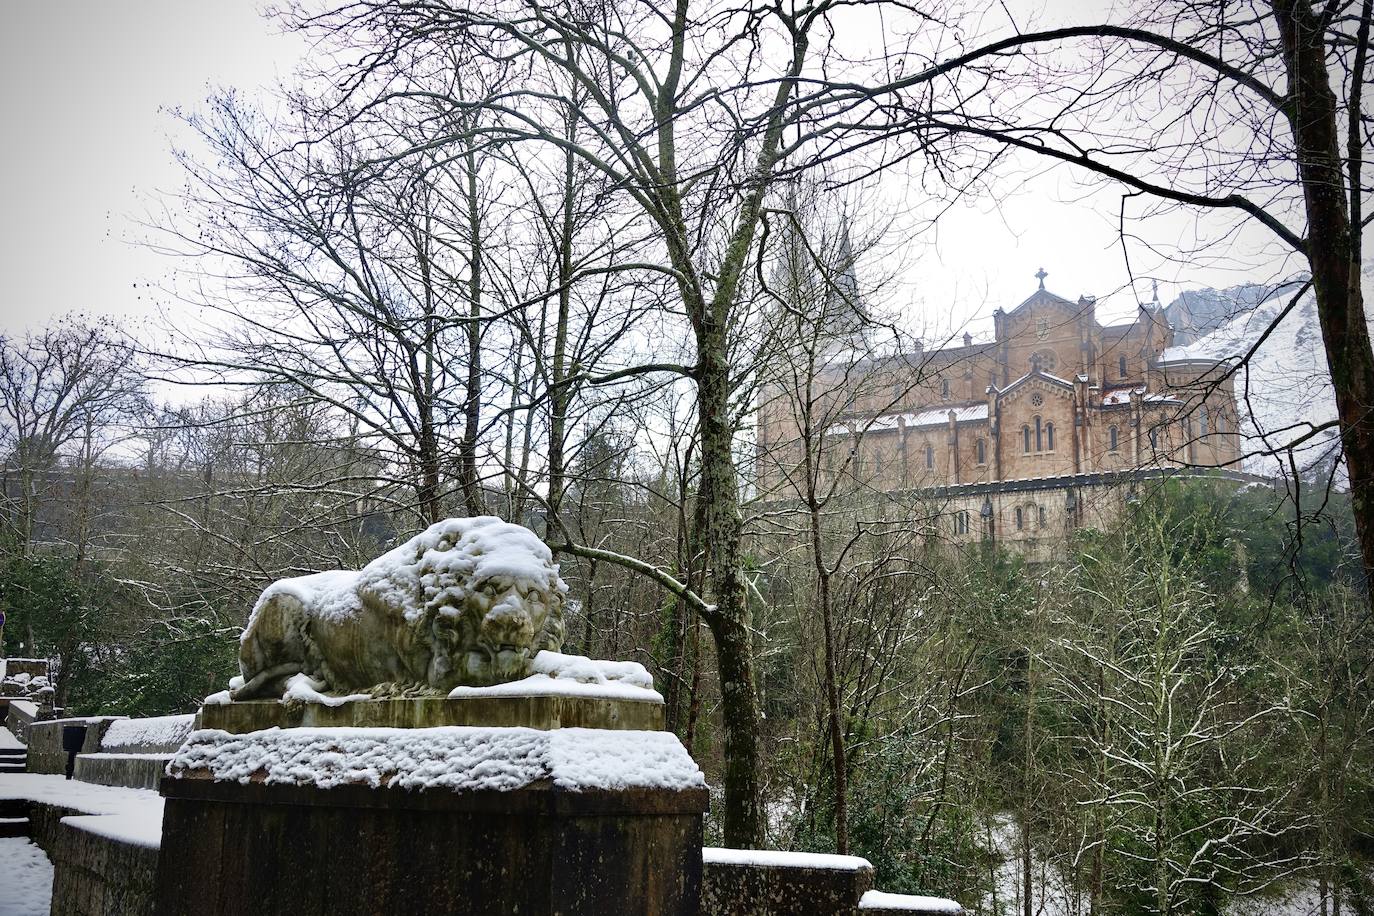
(773, 858)
(127, 815)
(909, 903)
(136, 828)
(155, 731)
(574, 675)
(455, 758)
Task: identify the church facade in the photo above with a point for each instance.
(1046, 428)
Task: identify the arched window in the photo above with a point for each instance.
(1121, 365)
(1020, 518)
(1221, 422)
(944, 388)
(1154, 437)
(1049, 437)
(980, 451)
(1112, 439)
(930, 456)
(878, 464)
(1039, 436)
(961, 522)
(1025, 439)
(1202, 421)
(1041, 510)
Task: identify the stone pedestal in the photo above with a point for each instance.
(345, 822)
(542, 711)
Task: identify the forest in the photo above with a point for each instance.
(547, 263)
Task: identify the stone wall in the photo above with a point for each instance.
(738, 882)
(133, 771)
(45, 742)
(19, 714)
(33, 667)
(779, 884)
(94, 875)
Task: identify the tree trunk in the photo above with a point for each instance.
(730, 621)
(472, 495)
(1331, 251)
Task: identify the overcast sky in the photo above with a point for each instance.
(88, 90)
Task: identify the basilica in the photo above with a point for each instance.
(1045, 428)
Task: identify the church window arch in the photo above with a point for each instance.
(930, 455)
(980, 451)
(961, 522)
(1039, 435)
(1020, 518)
(1154, 437)
(1203, 421)
(1221, 422)
(1025, 439)
(1113, 439)
(1049, 437)
(1121, 365)
(944, 388)
(877, 464)
(1041, 512)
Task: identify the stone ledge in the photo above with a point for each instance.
(770, 885)
(95, 875)
(131, 771)
(544, 712)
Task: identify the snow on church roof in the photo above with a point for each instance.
(938, 416)
(1119, 396)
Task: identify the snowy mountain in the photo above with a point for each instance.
(1285, 390)
(1197, 313)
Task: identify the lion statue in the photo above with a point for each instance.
(467, 602)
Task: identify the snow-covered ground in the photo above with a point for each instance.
(25, 878)
(1054, 895)
(8, 741)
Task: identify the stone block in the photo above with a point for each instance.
(522, 822)
(765, 883)
(133, 771)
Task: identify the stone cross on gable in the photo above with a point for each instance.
(1041, 275)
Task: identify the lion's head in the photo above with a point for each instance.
(484, 594)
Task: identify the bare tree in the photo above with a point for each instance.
(358, 289)
(70, 391)
(649, 98)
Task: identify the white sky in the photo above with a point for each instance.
(88, 90)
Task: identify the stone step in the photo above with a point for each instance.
(14, 808)
(14, 826)
(6, 767)
(13, 752)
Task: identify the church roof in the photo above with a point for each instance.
(1037, 373)
(935, 416)
(1043, 296)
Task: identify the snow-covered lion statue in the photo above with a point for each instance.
(468, 601)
